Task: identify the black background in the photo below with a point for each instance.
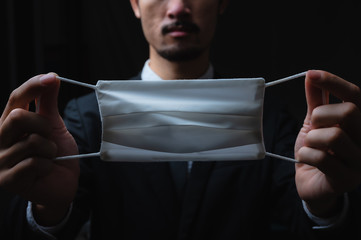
(101, 39)
(89, 40)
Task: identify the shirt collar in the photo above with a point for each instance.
(149, 75)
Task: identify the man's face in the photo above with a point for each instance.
(178, 30)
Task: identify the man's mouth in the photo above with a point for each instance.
(180, 29)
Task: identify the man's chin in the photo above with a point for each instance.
(180, 55)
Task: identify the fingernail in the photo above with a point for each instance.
(47, 78)
(314, 74)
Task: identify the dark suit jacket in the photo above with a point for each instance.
(223, 200)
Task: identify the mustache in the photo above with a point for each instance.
(185, 25)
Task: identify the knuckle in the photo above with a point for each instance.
(311, 156)
(33, 142)
(356, 91)
(317, 115)
(14, 97)
(350, 110)
(302, 152)
(311, 135)
(17, 116)
(3, 159)
(336, 136)
(14, 120)
(37, 145)
(33, 162)
(355, 94)
(38, 165)
(321, 158)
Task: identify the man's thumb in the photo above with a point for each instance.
(315, 96)
(47, 103)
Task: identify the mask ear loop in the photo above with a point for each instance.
(281, 157)
(282, 80)
(77, 83)
(270, 84)
(87, 155)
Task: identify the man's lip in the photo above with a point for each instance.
(178, 32)
(180, 29)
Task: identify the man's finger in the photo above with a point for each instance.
(315, 96)
(20, 123)
(337, 173)
(32, 146)
(47, 103)
(29, 91)
(335, 142)
(340, 88)
(24, 174)
(344, 115)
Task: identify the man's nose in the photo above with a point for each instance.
(178, 9)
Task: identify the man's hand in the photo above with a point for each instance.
(28, 144)
(329, 143)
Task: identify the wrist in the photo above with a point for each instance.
(49, 215)
(330, 222)
(325, 208)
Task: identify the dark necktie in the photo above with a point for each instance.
(179, 171)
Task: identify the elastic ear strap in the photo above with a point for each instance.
(270, 84)
(98, 155)
(276, 82)
(87, 155)
(281, 157)
(282, 80)
(76, 82)
(266, 85)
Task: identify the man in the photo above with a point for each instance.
(221, 200)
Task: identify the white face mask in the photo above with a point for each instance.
(181, 120)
